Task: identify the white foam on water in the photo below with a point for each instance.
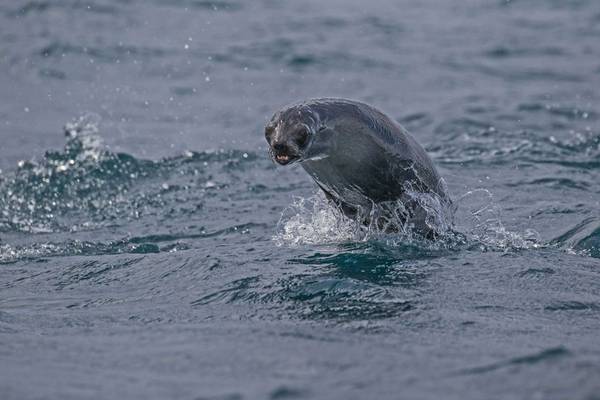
(314, 220)
(474, 219)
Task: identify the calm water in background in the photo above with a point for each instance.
(154, 254)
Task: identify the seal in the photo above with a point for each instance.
(366, 163)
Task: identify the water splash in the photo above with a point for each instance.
(479, 216)
(83, 178)
(314, 220)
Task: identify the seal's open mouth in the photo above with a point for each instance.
(284, 159)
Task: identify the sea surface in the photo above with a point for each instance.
(149, 249)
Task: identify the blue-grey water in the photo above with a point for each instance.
(154, 251)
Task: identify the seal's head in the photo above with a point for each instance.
(290, 133)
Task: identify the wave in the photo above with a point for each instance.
(86, 185)
(583, 238)
(157, 243)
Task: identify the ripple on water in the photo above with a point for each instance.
(41, 7)
(584, 237)
(344, 285)
(212, 5)
(345, 300)
(543, 356)
(481, 142)
(129, 245)
(572, 305)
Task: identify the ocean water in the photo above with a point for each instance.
(149, 249)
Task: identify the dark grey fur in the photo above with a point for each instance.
(357, 155)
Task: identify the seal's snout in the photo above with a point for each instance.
(282, 153)
(285, 145)
(280, 147)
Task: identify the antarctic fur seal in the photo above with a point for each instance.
(366, 163)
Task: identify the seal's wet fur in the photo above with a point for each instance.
(364, 161)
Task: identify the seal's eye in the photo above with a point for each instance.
(302, 137)
(269, 131)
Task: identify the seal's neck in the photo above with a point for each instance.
(322, 145)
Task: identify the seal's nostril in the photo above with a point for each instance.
(279, 147)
